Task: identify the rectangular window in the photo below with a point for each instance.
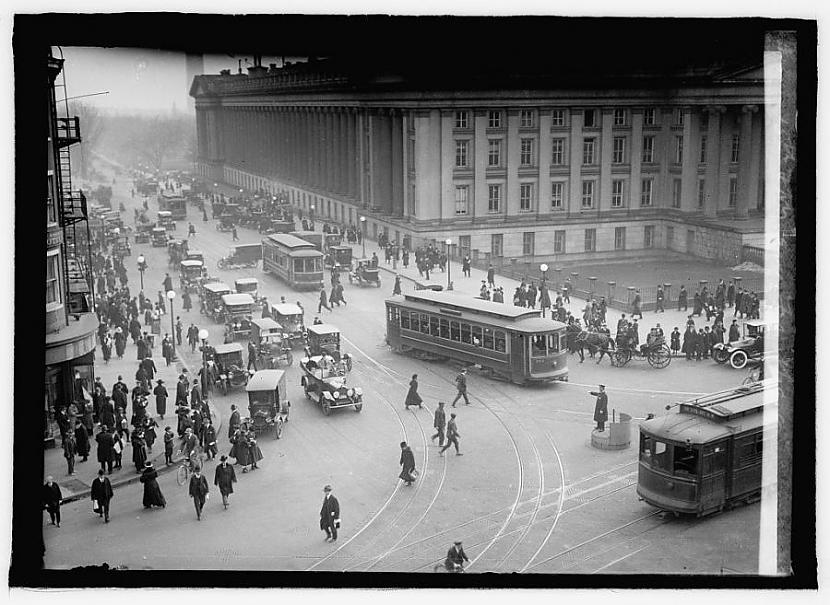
(444, 328)
(462, 193)
(669, 236)
(526, 152)
(557, 117)
(525, 197)
(648, 236)
(676, 191)
(461, 153)
(476, 336)
(701, 192)
(619, 238)
(494, 152)
(736, 147)
(466, 337)
(501, 342)
(590, 118)
(645, 192)
(587, 194)
(556, 195)
(618, 156)
(528, 244)
(702, 149)
(405, 320)
(678, 117)
(496, 244)
(488, 339)
(558, 242)
(620, 117)
(494, 198)
(588, 151)
(433, 326)
(424, 323)
(590, 240)
(455, 331)
(733, 191)
(557, 156)
(649, 117)
(617, 193)
(685, 460)
(648, 150)
(464, 244)
(494, 119)
(461, 119)
(52, 279)
(678, 149)
(526, 118)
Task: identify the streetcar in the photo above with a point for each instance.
(512, 343)
(707, 455)
(293, 260)
(313, 237)
(173, 203)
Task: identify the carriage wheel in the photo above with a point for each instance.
(720, 355)
(622, 357)
(278, 428)
(738, 359)
(326, 408)
(659, 357)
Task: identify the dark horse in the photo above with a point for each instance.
(594, 341)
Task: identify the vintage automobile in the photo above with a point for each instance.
(243, 255)
(332, 239)
(236, 313)
(230, 369)
(324, 339)
(165, 219)
(190, 274)
(195, 255)
(325, 383)
(738, 353)
(211, 295)
(121, 246)
(273, 225)
(364, 273)
(159, 237)
(339, 258)
(272, 347)
(267, 403)
(290, 317)
(227, 222)
(251, 217)
(247, 285)
(142, 233)
(176, 251)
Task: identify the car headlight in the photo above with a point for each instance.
(336, 394)
(350, 392)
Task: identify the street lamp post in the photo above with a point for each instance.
(543, 286)
(142, 267)
(311, 215)
(203, 334)
(448, 241)
(363, 231)
(171, 294)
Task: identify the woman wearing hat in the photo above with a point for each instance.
(224, 478)
(408, 463)
(139, 449)
(455, 558)
(161, 398)
(241, 450)
(253, 449)
(152, 492)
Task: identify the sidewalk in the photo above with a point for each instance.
(78, 486)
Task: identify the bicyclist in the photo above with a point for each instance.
(455, 558)
(190, 447)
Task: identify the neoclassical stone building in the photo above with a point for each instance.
(534, 166)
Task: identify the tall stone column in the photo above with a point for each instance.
(713, 161)
(635, 179)
(575, 146)
(381, 160)
(396, 152)
(480, 145)
(326, 147)
(606, 149)
(691, 157)
(745, 153)
(544, 155)
(342, 153)
(512, 147)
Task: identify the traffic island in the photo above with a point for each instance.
(617, 436)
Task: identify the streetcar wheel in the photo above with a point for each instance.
(181, 475)
(720, 355)
(278, 429)
(326, 408)
(358, 407)
(738, 359)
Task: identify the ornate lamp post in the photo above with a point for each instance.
(142, 267)
(448, 242)
(363, 230)
(543, 287)
(171, 294)
(203, 335)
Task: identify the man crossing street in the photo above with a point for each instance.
(452, 436)
(461, 384)
(440, 423)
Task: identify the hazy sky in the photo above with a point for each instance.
(137, 79)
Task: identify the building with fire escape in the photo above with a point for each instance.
(71, 323)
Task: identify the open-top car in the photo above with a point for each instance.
(230, 369)
(267, 402)
(751, 346)
(364, 273)
(272, 347)
(290, 317)
(324, 382)
(236, 312)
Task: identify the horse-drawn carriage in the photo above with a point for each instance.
(267, 403)
(273, 348)
(364, 273)
(655, 351)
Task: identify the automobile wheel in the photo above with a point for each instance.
(720, 355)
(349, 363)
(326, 408)
(306, 391)
(358, 407)
(278, 428)
(738, 359)
(289, 359)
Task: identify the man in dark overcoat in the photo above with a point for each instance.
(233, 422)
(224, 478)
(440, 423)
(455, 557)
(51, 496)
(161, 398)
(407, 463)
(105, 453)
(102, 494)
(149, 367)
(330, 515)
(600, 408)
(119, 393)
(181, 391)
(198, 490)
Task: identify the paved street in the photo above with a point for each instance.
(530, 494)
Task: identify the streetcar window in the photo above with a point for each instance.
(465, 334)
(405, 320)
(659, 455)
(488, 339)
(538, 345)
(433, 326)
(445, 329)
(714, 459)
(415, 325)
(553, 343)
(685, 460)
(501, 343)
(298, 265)
(477, 336)
(455, 331)
(393, 315)
(424, 324)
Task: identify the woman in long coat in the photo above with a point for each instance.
(106, 348)
(152, 492)
(161, 398)
(408, 463)
(241, 450)
(139, 449)
(412, 397)
(82, 441)
(120, 343)
(253, 450)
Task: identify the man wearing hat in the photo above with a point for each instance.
(181, 390)
(330, 515)
(455, 557)
(461, 384)
(198, 490)
(234, 421)
(101, 494)
(161, 398)
(224, 478)
(601, 408)
(189, 444)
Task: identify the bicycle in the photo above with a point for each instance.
(188, 465)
